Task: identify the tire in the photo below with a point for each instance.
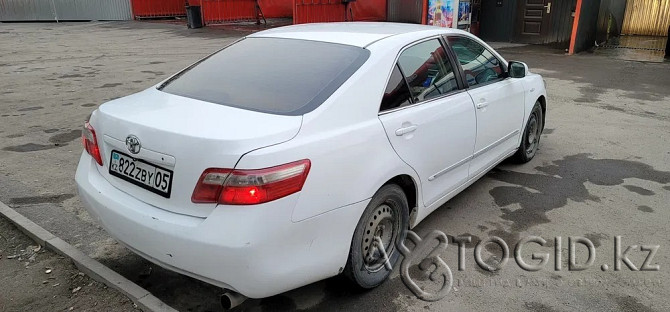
(531, 136)
(388, 208)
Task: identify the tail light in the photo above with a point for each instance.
(250, 187)
(91, 143)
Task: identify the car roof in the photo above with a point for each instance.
(359, 34)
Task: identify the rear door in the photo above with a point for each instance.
(499, 102)
(429, 119)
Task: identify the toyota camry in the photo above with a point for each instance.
(303, 152)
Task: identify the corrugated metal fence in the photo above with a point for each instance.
(67, 10)
(224, 11)
(405, 11)
(158, 8)
(646, 17)
(369, 10)
(314, 11)
(318, 11)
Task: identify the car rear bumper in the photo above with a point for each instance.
(254, 250)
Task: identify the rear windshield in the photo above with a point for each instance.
(271, 75)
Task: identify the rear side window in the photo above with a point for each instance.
(397, 92)
(271, 75)
(480, 65)
(427, 70)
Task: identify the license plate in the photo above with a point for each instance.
(141, 173)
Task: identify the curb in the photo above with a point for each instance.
(94, 269)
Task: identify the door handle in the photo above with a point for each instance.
(548, 7)
(405, 130)
(482, 105)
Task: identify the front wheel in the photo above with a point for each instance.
(382, 227)
(531, 136)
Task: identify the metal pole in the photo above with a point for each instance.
(53, 6)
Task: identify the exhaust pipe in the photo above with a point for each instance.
(231, 299)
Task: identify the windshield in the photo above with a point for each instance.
(271, 75)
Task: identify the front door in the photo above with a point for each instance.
(429, 120)
(499, 103)
(533, 21)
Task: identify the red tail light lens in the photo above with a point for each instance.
(250, 187)
(91, 143)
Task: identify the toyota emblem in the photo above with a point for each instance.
(133, 144)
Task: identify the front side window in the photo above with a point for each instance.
(427, 70)
(480, 65)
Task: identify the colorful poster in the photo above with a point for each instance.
(440, 13)
(464, 13)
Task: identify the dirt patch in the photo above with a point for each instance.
(644, 208)
(40, 199)
(631, 304)
(157, 73)
(596, 238)
(65, 137)
(564, 179)
(71, 76)
(35, 279)
(110, 85)
(612, 108)
(539, 307)
(639, 190)
(27, 109)
(29, 147)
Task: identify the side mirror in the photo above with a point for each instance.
(517, 69)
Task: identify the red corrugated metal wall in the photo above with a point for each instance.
(303, 11)
(276, 8)
(315, 11)
(221, 11)
(158, 8)
(369, 10)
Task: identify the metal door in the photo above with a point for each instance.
(533, 20)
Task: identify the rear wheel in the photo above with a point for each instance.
(531, 136)
(382, 227)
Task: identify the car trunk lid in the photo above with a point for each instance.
(185, 136)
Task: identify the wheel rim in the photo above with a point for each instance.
(379, 234)
(532, 134)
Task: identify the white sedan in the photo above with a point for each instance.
(299, 153)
